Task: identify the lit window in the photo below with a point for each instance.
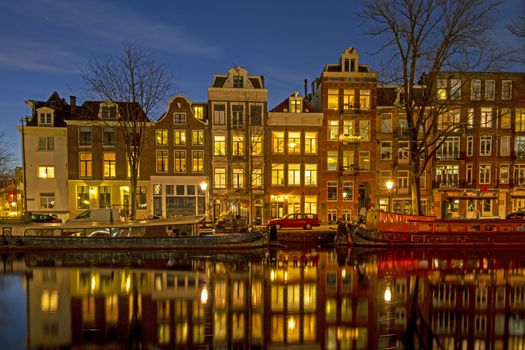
(442, 89)
(180, 161)
(310, 142)
(486, 118)
(197, 161)
(161, 137)
(333, 130)
(386, 150)
(237, 178)
(349, 99)
(85, 160)
(331, 160)
(197, 137)
(238, 145)
(256, 146)
(294, 174)
(82, 197)
(333, 99)
(364, 99)
(484, 174)
(179, 137)
(219, 177)
(47, 200)
(104, 196)
(364, 160)
(110, 165)
(295, 105)
(257, 178)
(348, 160)
(219, 145)
(278, 142)
(46, 172)
(348, 190)
(198, 112)
(277, 174)
(505, 114)
(162, 161)
(364, 130)
(49, 301)
(310, 175)
(294, 142)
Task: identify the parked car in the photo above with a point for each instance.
(45, 218)
(297, 220)
(516, 215)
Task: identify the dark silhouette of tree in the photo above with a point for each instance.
(424, 39)
(135, 84)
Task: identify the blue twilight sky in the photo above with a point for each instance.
(44, 43)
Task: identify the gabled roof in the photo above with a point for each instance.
(307, 107)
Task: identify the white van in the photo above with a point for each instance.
(98, 215)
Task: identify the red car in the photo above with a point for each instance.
(306, 221)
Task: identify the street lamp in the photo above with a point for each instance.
(389, 186)
(204, 187)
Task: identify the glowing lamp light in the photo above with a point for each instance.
(389, 185)
(291, 323)
(204, 295)
(204, 186)
(388, 294)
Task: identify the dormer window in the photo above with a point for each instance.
(238, 81)
(295, 105)
(108, 112)
(45, 119)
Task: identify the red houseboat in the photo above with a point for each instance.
(392, 229)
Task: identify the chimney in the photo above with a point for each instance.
(72, 104)
(305, 88)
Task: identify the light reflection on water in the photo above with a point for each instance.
(262, 299)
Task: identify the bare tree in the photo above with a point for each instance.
(136, 84)
(517, 27)
(425, 38)
(6, 160)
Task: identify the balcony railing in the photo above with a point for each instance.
(350, 170)
(350, 139)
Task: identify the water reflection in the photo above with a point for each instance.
(322, 298)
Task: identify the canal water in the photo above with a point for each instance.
(303, 298)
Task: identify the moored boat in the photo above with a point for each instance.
(173, 233)
(392, 229)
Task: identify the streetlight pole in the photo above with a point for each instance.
(204, 187)
(24, 180)
(389, 186)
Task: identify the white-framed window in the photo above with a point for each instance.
(519, 119)
(179, 137)
(310, 174)
(219, 114)
(46, 143)
(449, 149)
(504, 147)
(237, 178)
(364, 130)
(237, 116)
(197, 161)
(447, 175)
(197, 137)
(179, 161)
(331, 190)
(403, 152)
(46, 172)
(109, 137)
(47, 200)
(490, 90)
(348, 159)
(294, 142)
(402, 181)
(364, 99)
(219, 145)
(294, 174)
(455, 89)
(310, 142)
(449, 119)
(386, 150)
(278, 141)
(470, 146)
(45, 119)
(278, 174)
(348, 99)
(504, 173)
(484, 174)
(333, 99)
(506, 89)
(238, 145)
(519, 174)
(179, 118)
(348, 190)
(162, 161)
(332, 160)
(333, 130)
(519, 147)
(469, 173)
(85, 160)
(486, 118)
(475, 89)
(219, 177)
(485, 145)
